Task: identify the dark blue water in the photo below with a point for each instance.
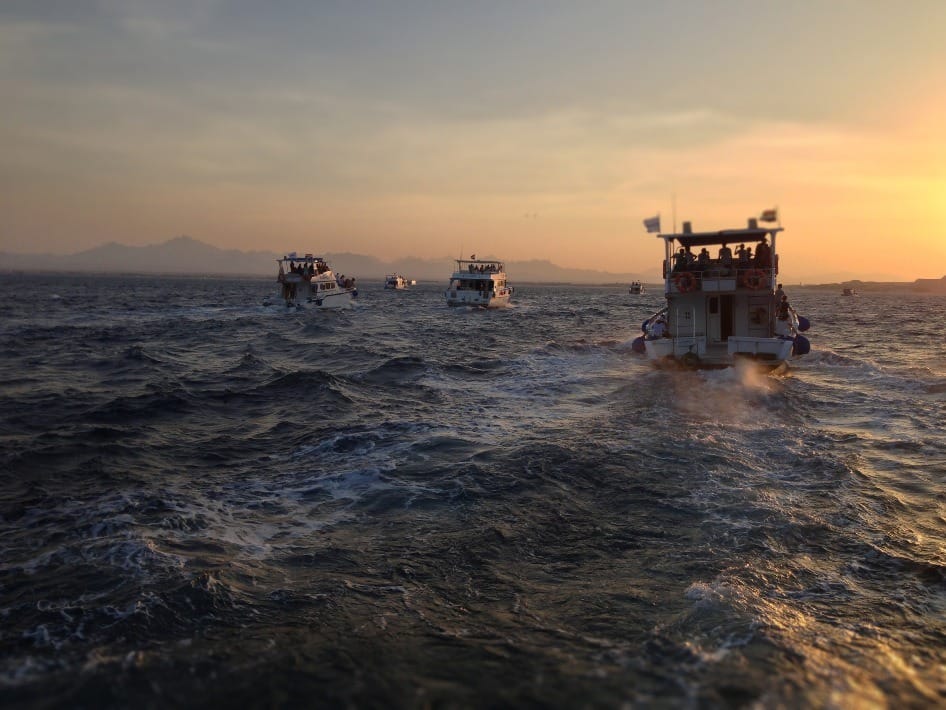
(207, 501)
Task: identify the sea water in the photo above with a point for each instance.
(205, 500)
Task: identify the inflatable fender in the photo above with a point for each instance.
(638, 345)
(803, 323)
(801, 346)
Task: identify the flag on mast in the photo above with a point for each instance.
(769, 216)
(652, 224)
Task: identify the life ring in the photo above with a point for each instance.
(685, 282)
(754, 279)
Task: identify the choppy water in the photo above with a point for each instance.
(206, 501)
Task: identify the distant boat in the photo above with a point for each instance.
(636, 287)
(308, 281)
(722, 309)
(849, 292)
(480, 283)
(395, 281)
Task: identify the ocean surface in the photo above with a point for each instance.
(206, 501)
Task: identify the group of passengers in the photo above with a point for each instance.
(308, 268)
(344, 281)
(485, 268)
(685, 260)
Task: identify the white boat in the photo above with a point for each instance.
(849, 292)
(636, 287)
(480, 283)
(309, 282)
(722, 308)
(395, 281)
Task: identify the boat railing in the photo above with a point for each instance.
(750, 278)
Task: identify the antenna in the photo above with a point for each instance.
(673, 210)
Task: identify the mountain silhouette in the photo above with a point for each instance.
(186, 255)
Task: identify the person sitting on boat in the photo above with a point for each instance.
(703, 259)
(745, 260)
(763, 255)
(783, 317)
(680, 260)
(725, 258)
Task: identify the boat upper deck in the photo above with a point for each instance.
(723, 236)
(479, 268)
(745, 258)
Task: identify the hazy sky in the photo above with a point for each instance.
(523, 130)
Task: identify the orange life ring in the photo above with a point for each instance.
(754, 279)
(685, 282)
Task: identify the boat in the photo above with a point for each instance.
(478, 283)
(396, 281)
(849, 292)
(636, 287)
(721, 310)
(308, 281)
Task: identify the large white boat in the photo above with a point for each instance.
(722, 308)
(636, 288)
(479, 283)
(308, 281)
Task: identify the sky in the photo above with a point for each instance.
(522, 129)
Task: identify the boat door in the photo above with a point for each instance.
(719, 320)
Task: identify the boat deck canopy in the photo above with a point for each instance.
(723, 236)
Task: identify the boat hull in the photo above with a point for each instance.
(460, 298)
(298, 292)
(341, 299)
(693, 352)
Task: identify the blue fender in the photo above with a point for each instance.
(803, 323)
(638, 345)
(801, 346)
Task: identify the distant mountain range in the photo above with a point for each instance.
(185, 255)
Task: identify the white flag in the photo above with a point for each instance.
(652, 224)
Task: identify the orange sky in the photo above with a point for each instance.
(524, 132)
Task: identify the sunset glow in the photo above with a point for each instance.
(532, 131)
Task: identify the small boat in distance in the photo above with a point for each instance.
(308, 281)
(722, 309)
(478, 283)
(849, 292)
(395, 281)
(636, 287)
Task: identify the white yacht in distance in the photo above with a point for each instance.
(480, 283)
(722, 307)
(636, 287)
(395, 281)
(309, 282)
